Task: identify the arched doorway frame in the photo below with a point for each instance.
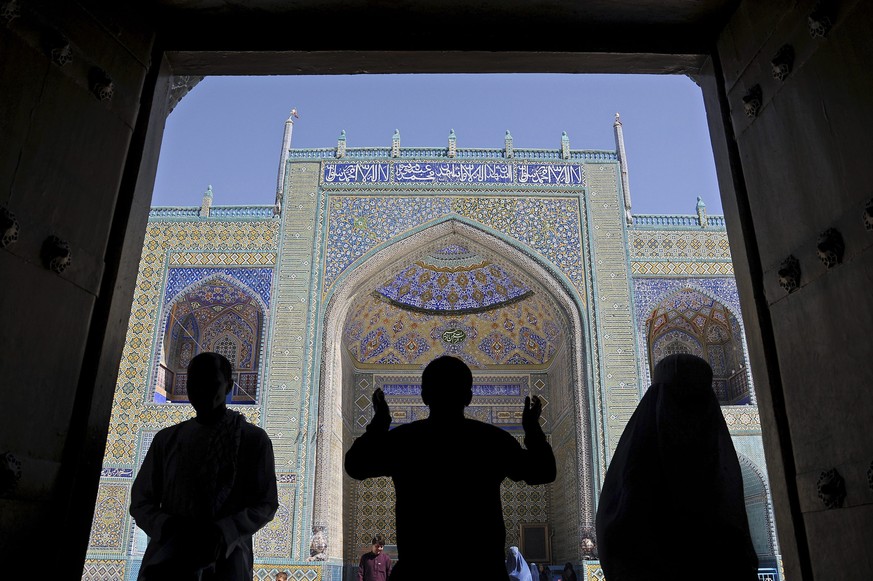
(393, 255)
(772, 539)
(166, 309)
(676, 286)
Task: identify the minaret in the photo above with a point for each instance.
(283, 160)
(622, 162)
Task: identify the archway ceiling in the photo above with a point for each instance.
(452, 280)
(690, 310)
(212, 298)
(525, 333)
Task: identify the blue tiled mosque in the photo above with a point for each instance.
(528, 264)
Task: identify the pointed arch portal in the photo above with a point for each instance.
(525, 337)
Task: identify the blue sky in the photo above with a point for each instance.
(227, 132)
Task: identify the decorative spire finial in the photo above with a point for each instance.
(617, 118)
(702, 219)
(206, 204)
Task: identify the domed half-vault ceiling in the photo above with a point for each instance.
(453, 302)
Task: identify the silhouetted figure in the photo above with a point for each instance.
(375, 565)
(205, 487)
(516, 567)
(545, 573)
(447, 472)
(569, 574)
(674, 489)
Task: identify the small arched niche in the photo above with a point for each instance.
(216, 314)
(689, 321)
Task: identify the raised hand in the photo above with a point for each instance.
(381, 413)
(530, 417)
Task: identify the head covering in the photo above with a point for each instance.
(516, 566)
(534, 572)
(674, 486)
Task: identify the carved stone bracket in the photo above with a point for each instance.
(782, 62)
(9, 227)
(101, 84)
(831, 489)
(789, 274)
(831, 247)
(868, 215)
(753, 101)
(56, 254)
(10, 473)
(820, 20)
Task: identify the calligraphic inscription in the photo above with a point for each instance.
(482, 390)
(453, 336)
(355, 173)
(452, 172)
(548, 173)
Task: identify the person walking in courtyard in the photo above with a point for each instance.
(447, 471)
(516, 567)
(375, 565)
(675, 479)
(206, 485)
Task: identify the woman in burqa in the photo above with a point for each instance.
(516, 566)
(672, 501)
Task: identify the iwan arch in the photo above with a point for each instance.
(529, 264)
(557, 373)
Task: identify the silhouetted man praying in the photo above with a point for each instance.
(205, 487)
(447, 471)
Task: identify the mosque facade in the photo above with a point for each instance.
(528, 264)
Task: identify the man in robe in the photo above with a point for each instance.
(375, 565)
(447, 471)
(206, 485)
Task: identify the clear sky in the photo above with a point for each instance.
(227, 132)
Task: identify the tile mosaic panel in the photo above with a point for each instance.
(523, 333)
(453, 280)
(358, 223)
(107, 528)
(195, 258)
(103, 570)
(679, 245)
(267, 572)
(260, 280)
(673, 268)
